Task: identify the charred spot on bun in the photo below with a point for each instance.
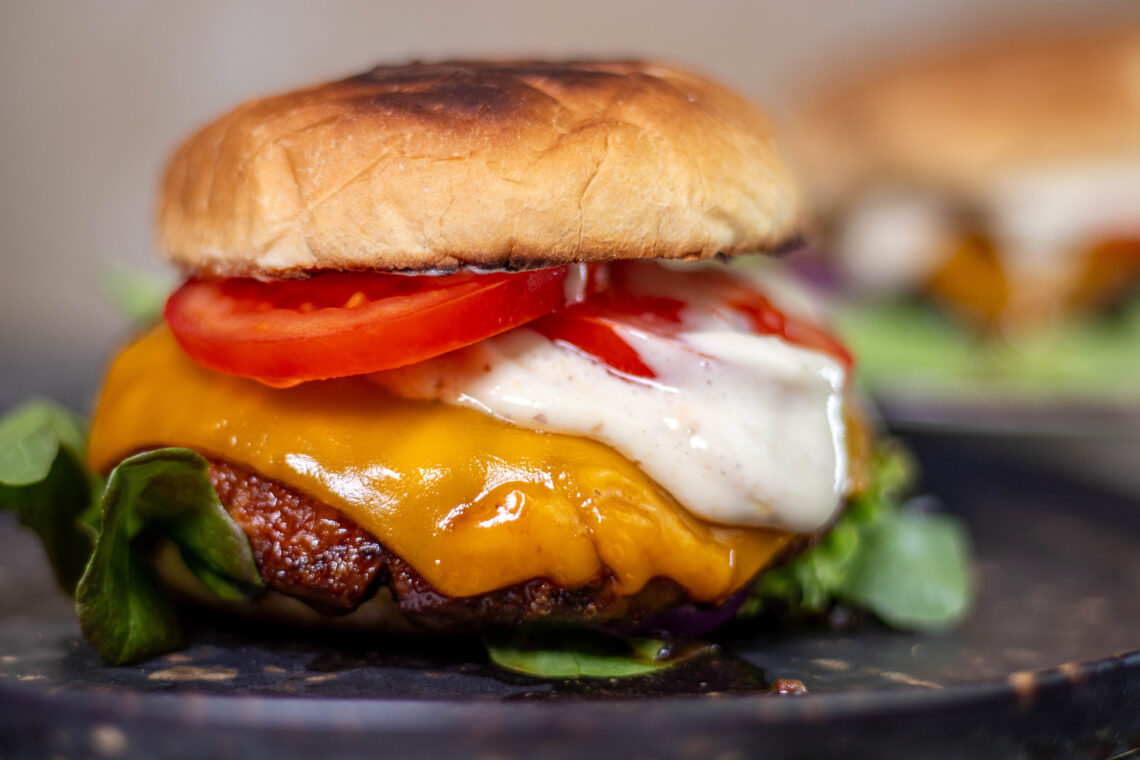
(447, 350)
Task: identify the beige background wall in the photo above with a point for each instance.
(96, 94)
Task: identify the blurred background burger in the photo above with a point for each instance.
(981, 204)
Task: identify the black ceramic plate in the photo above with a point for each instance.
(1024, 419)
(1098, 444)
(1040, 670)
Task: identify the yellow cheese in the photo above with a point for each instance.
(470, 502)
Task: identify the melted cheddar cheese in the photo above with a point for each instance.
(472, 503)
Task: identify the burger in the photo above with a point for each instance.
(457, 347)
(979, 205)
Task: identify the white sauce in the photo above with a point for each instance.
(576, 285)
(741, 429)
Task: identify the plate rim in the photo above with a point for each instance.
(404, 716)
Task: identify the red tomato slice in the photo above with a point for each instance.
(284, 332)
(593, 327)
(768, 320)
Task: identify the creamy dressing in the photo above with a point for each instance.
(741, 429)
(576, 286)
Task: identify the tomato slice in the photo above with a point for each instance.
(768, 320)
(284, 332)
(594, 327)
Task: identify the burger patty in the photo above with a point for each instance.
(302, 548)
(311, 551)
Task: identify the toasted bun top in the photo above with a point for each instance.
(488, 164)
(957, 120)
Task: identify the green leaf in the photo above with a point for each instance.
(139, 295)
(893, 473)
(912, 572)
(30, 437)
(910, 569)
(42, 480)
(551, 651)
(123, 612)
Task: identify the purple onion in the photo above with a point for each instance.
(686, 621)
(817, 274)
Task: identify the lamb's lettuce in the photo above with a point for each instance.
(42, 479)
(909, 567)
(913, 571)
(96, 535)
(123, 612)
(138, 294)
(567, 651)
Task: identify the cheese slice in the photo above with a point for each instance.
(472, 503)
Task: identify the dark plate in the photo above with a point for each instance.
(997, 417)
(1098, 444)
(1039, 670)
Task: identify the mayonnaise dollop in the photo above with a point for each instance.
(742, 429)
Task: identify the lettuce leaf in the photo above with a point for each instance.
(912, 572)
(139, 295)
(568, 651)
(123, 612)
(910, 568)
(43, 481)
(95, 534)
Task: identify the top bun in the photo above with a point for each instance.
(955, 121)
(432, 167)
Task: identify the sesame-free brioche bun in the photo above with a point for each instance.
(431, 167)
(955, 120)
